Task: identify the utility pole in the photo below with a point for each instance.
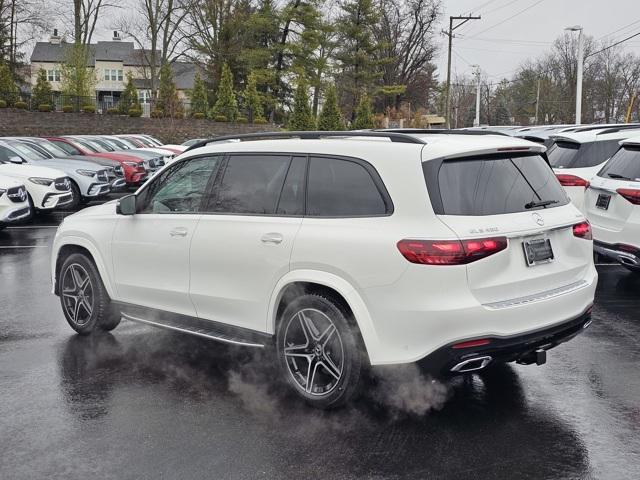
(537, 100)
(462, 20)
(476, 122)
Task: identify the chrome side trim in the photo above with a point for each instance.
(519, 301)
(231, 341)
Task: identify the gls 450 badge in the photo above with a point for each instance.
(475, 231)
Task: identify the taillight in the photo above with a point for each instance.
(567, 180)
(583, 230)
(472, 343)
(450, 252)
(630, 194)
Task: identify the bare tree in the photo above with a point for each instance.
(156, 29)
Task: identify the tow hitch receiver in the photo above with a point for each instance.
(539, 357)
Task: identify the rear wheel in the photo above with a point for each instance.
(85, 302)
(319, 352)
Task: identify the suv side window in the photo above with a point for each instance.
(181, 188)
(292, 197)
(251, 184)
(5, 154)
(69, 149)
(343, 188)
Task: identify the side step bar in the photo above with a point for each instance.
(199, 328)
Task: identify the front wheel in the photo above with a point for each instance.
(319, 351)
(85, 302)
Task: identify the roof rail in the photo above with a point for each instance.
(309, 135)
(436, 131)
(619, 129)
(589, 128)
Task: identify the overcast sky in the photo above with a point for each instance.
(511, 31)
(498, 43)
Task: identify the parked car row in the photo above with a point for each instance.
(63, 172)
(599, 168)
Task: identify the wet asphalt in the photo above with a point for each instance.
(144, 403)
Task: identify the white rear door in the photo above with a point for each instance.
(243, 243)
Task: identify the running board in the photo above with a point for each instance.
(200, 328)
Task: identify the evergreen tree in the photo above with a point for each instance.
(226, 103)
(168, 102)
(41, 93)
(8, 87)
(129, 97)
(364, 114)
(199, 100)
(330, 117)
(252, 99)
(301, 117)
(358, 51)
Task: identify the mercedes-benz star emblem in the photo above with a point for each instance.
(538, 218)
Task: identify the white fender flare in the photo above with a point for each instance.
(340, 285)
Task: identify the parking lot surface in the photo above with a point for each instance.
(146, 403)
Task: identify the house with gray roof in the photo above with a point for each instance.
(111, 61)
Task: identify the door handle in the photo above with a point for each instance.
(178, 232)
(274, 238)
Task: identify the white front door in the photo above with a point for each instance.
(151, 248)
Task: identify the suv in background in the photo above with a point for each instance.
(340, 250)
(612, 204)
(576, 157)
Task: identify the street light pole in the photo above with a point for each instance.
(578, 28)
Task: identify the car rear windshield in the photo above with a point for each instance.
(624, 165)
(497, 185)
(580, 155)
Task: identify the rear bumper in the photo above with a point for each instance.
(446, 360)
(624, 254)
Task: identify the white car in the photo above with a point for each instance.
(613, 206)
(14, 203)
(47, 188)
(88, 181)
(341, 249)
(577, 157)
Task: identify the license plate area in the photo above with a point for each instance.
(537, 251)
(603, 201)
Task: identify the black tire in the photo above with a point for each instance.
(32, 209)
(84, 300)
(76, 197)
(315, 335)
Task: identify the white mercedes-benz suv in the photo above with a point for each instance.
(341, 250)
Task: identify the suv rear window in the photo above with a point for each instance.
(580, 155)
(495, 185)
(625, 164)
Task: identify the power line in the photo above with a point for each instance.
(620, 29)
(501, 7)
(508, 18)
(613, 45)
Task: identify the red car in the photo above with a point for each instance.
(133, 167)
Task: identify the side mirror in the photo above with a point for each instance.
(126, 205)
(15, 159)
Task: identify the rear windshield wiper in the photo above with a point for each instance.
(542, 203)
(618, 176)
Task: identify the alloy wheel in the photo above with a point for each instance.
(313, 352)
(77, 294)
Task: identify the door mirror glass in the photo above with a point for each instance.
(126, 205)
(15, 159)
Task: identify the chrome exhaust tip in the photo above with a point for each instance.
(472, 364)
